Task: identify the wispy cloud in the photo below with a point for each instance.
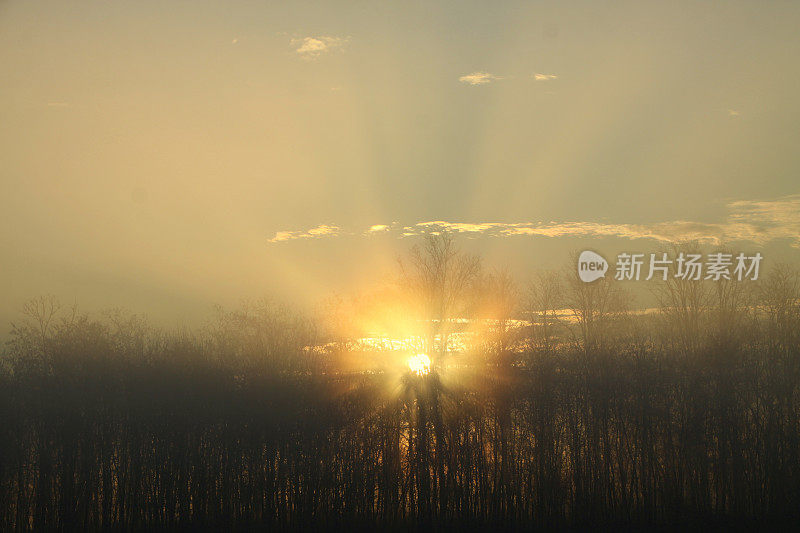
(479, 78)
(763, 221)
(57, 104)
(311, 48)
(748, 220)
(666, 231)
(544, 77)
(323, 230)
(733, 113)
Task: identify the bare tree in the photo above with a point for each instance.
(439, 280)
(683, 301)
(595, 306)
(545, 298)
(40, 312)
(499, 304)
(778, 296)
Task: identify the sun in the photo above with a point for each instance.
(420, 364)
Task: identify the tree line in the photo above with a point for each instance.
(592, 417)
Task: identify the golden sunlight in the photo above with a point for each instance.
(420, 364)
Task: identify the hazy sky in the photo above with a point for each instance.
(167, 155)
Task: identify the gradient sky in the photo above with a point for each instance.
(165, 156)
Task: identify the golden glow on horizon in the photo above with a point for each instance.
(420, 364)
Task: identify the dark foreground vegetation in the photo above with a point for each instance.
(108, 424)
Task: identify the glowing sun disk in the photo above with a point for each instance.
(420, 364)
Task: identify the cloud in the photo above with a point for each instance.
(544, 77)
(763, 221)
(235, 40)
(323, 230)
(479, 78)
(758, 222)
(57, 104)
(733, 113)
(311, 48)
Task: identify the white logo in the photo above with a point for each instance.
(591, 266)
(686, 266)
